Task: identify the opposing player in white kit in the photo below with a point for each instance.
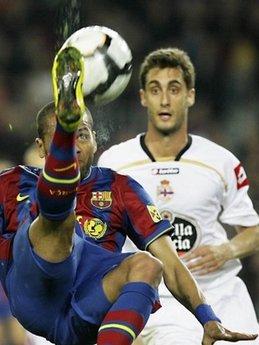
(198, 185)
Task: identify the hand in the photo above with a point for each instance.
(214, 331)
(206, 259)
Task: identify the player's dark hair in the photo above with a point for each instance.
(168, 57)
(43, 116)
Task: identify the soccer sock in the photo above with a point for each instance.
(58, 182)
(128, 315)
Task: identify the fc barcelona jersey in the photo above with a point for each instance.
(109, 207)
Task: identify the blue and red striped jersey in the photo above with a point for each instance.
(17, 203)
(109, 207)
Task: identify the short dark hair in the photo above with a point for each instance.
(43, 116)
(168, 57)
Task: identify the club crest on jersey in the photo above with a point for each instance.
(95, 228)
(164, 190)
(101, 199)
(154, 213)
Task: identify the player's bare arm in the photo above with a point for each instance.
(209, 258)
(177, 277)
(181, 284)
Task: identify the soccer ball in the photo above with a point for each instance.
(108, 62)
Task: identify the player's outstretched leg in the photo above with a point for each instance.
(60, 177)
(140, 275)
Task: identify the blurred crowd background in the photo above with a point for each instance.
(221, 37)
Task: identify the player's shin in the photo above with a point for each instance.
(58, 182)
(128, 315)
(60, 177)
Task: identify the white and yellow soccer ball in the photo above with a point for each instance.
(108, 62)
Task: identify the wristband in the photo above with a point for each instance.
(204, 313)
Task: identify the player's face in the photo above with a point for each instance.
(85, 144)
(85, 147)
(167, 99)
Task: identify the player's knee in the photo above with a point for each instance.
(148, 267)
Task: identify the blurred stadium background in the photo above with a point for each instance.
(222, 38)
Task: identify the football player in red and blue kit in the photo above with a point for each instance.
(61, 286)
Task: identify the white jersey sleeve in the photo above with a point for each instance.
(237, 205)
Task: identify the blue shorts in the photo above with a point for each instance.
(5, 312)
(63, 302)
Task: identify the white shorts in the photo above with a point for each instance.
(175, 325)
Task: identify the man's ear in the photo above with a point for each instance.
(40, 147)
(191, 97)
(95, 142)
(142, 95)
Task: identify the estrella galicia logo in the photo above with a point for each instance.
(186, 232)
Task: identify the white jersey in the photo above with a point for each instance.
(204, 186)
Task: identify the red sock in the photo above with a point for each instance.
(128, 315)
(58, 182)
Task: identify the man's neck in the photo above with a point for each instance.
(164, 147)
(85, 172)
